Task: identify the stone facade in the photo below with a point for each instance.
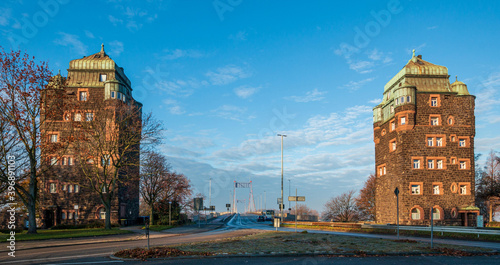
(424, 146)
(65, 195)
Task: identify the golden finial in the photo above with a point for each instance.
(413, 53)
(102, 48)
(456, 78)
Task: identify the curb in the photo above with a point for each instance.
(307, 254)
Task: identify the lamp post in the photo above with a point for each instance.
(170, 213)
(281, 205)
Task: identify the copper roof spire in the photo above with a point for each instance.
(102, 49)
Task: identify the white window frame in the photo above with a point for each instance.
(439, 164)
(403, 120)
(462, 142)
(53, 138)
(89, 116)
(408, 99)
(416, 215)
(416, 163)
(435, 121)
(78, 117)
(83, 96)
(53, 161)
(436, 214)
(439, 141)
(415, 189)
(434, 101)
(435, 189)
(463, 165)
(462, 189)
(430, 164)
(77, 188)
(430, 141)
(103, 77)
(53, 187)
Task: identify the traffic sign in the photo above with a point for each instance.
(396, 191)
(279, 201)
(297, 198)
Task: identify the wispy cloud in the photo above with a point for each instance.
(240, 36)
(173, 106)
(375, 101)
(72, 41)
(245, 91)
(89, 34)
(314, 95)
(6, 15)
(229, 112)
(432, 27)
(355, 85)
(115, 21)
(227, 74)
(418, 48)
(116, 47)
(169, 54)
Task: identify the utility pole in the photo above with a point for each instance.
(210, 193)
(282, 201)
(265, 207)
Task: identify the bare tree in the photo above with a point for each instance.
(488, 182)
(154, 179)
(107, 145)
(23, 83)
(342, 208)
(365, 202)
(302, 209)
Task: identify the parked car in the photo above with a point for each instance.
(261, 218)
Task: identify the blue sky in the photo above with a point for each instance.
(226, 76)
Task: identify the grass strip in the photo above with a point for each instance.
(64, 233)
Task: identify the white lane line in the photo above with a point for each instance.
(66, 257)
(93, 262)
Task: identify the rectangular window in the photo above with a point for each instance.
(105, 160)
(64, 161)
(463, 165)
(102, 77)
(70, 161)
(439, 164)
(430, 164)
(393, 126)
(397, 101)
(63, 215)
(408, 99)
(70, 188)
(434, 102)
(65, 187)
(112, 94)
(53, 138)
(453, 160)
(416, 163)
(53, 161)
(463, 142)
(439, 141)
(435, 189)
(430, 141)
(415, 189)
(77, 188)
(119, 95)
(53, 188)
(78, 117)
(463, 189)
(83, 96)
(434, 121)
(402, 100)
(70, 215)
(381, 170)
(403, 120)
(89, 116)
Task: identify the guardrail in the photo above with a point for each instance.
(449, 229)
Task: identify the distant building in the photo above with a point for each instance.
(424, 146)
(64, 196)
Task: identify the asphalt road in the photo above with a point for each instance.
(98, 253)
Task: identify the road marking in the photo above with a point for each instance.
(93, 262)
(79, 256)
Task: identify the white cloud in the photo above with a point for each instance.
(116, 47)
(173, 106)
(6, 15)
(240, 36)
(432, 27)
(227, 74)
(314, 95)
(115, 21)
(375, 101)
(89, 34)
(355, 85)
(229, 112)
(178, 53)
(245, 91)
(489, 95)
(72, 41)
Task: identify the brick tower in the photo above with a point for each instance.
(424, 145)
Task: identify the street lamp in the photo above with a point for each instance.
(170, 213)
(281, 205)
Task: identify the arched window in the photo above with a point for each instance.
(436, 214)
(415, 214)
(102, 213)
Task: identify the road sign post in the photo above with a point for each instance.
(296, 199)
(396, 191)
(432, 227)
